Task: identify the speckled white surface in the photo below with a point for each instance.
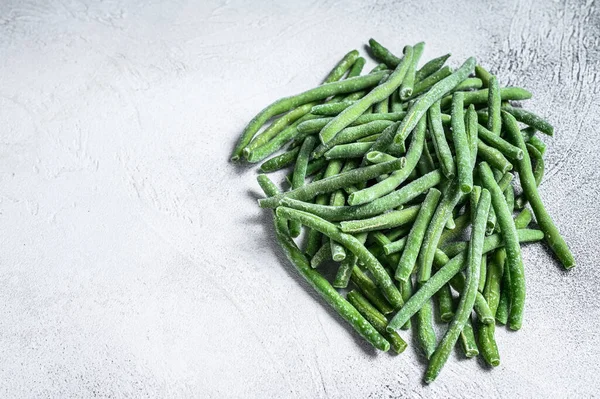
(135, 262)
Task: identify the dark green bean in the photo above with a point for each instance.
(530, 119)
(351, 150)
(512, 247)
(370, 290)
(431, 67)
(504, 303)
(464, 166)
(427, 83)
(415, 237)
(280, 161)
(386, 221)
(499, 143)
(481, 96)
(445, 303)
(483, 74)
(383, 54)
(317, 124)
(380, 205)
(493, 157)
(494, 120)
(333, 183)
(330, 109)
(381, 277)
(379, 93)
(353, 133)
(553, 237)
(442, 149)
(487, 344)
(467, 299)
(345, 269)
(323, 254)
(425, 331)
(396, 178)
(467, 340)
(420, 107)
(299, 175)
(376, 319)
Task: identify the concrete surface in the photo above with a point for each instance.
(135, 262)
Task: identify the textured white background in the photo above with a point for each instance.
(134, 260)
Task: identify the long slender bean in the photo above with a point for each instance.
(386, 221)
(299, 176)
(481, 96)
(381, 277)
(406, 88)
(493, 140)
(345, 269)
(530, 119)
(330, 109)
(512, 248)
(467, 340)
(445, 303)
(344, 151)
(420, 107)
(442, 149)
(353, 133)
(388, 185)
(553, 237)
(383, 54)
(487, 344)
(333, 183)
(370, 290)
(483, 74)
(380, 205)
(425, 331)
(464, 166)
(494, 157)
(376, 319)
(383, 91)
(427, 83)
(415, 237)
(317, 124)
(431, 67)
(494, 99)
(280, 161)
(467, 299)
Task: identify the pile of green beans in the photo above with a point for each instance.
(402, 182)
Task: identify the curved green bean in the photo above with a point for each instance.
(494, 157)
(553, 237)
(376, 319)
(431, 67)
(495, 141)
(381, 277)
(438, 137)
(383, 54)
(353, 133)
(386, 221)
(530, 119)
(423, 85)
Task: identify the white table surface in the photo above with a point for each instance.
(135, 261)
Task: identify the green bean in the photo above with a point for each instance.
(445, 303)
(370, 290)
(344, 151)
(464, 166)
(280, 161)
(382, 107)
(461, 223)
(442, 149)
(376, 319)
(426, 160)
(530, 119)
(285, 104)
(357, 95)
(382, 144)
(447, 272)
(330, 109)
(481, 96)
(467, 299)
(468, 84)
(317, 124)
(275, 144)
(406, 88)
(354, 71)
(494, 120)
(553, 237)
(369, 139)
(495, 141)
(512, 248)
(504, 303)
(380, 205)
(483, 274)
(425, 331)
(378, 157)
(299, 175)
(431, 67)
(483, 311)
(467, 340)
(420, 107)
(398, 232)
(396, 178)
(267, 185)
(328, 293)
(406, 290)
(383, 54)
(434, 231)
(338, 253)
(323, 254)
(415, 237)
(538, 144)
(509, 196)
(491, 291)
(493, 157)
(524, 235)
(382, 279)
(385, 221)
(314, 237)
(423, 85)
(333, 183)
(538, 172)
(351, 134)
(344, 271)
(350, 114)
(487, 344)
(483, 74)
